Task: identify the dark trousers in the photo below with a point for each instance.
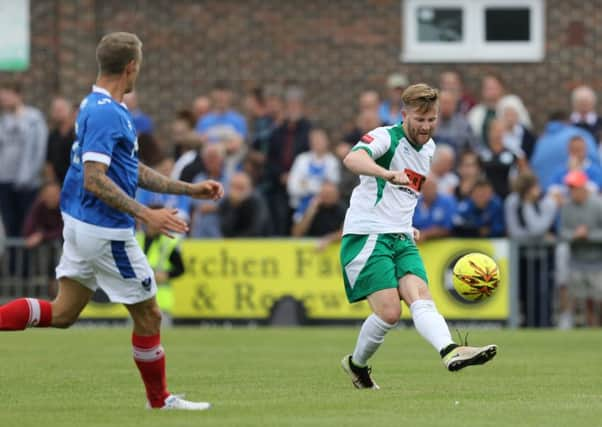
(14, 206)
(280, 211)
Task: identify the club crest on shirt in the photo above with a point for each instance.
(367, 138)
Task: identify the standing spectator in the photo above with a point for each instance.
(442, 168)
(452, 81)
(366, 121)
(43, 222)
(453, 128)
(310, 170)
(142, 121)
(262, 122)
(530, 218)
(243, 213)
(369, 100)
(434, 211)
(551, 147)
(205, 221)
(390, 108)
(584, 113)
(221, 116)
(577, 160)
(60, 139)
(497, 161)
(186, 142)
(201, 106)
(527, 214)
(349, 180)
(581, 225)
(23, 139)
(518, 137)
(323, 218)
(287, 141)
(479, 117)
(469, 171)
(480, 216)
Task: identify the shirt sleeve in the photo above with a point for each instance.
(103, 131)
(376, 143)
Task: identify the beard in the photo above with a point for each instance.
(417, 137)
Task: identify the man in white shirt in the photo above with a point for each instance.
(378, 252)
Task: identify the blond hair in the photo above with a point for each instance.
(116, 50)
(420, 97)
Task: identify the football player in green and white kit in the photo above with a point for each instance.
(379, 257)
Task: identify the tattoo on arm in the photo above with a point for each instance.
(98, 183)
(154, 181)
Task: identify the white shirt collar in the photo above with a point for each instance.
(102, 90)
(590, 118)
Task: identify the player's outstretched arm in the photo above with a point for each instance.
(360, 162)
(98, 183)
(154, 181)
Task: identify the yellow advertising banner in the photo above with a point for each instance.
(243, 278)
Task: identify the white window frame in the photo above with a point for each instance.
(474, 47)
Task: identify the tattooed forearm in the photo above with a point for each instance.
(98, 183)
(154, 181)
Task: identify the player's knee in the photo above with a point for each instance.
(150, 321)
(63, 319)
(390, 314)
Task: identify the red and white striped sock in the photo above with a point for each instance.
(150, 360)
(25, 313)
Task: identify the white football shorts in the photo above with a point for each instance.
(118, 267)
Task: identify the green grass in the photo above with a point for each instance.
(291, 377)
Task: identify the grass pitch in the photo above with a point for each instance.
(85, 377)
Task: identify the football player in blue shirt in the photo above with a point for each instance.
(99, 211)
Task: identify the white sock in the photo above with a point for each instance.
(370, 338)
(430, 324)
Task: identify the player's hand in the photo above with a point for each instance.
(416, 234)
(397, 177)
(207, 190)
(166, 221)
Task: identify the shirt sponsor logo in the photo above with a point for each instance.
(367, 138)
(416, 179)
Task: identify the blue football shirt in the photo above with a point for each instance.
(105, 134)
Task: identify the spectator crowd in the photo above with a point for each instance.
(493, 174)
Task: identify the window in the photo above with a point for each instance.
(473, 30)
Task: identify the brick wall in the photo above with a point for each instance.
(333, 48)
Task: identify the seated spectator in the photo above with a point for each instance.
(517, 136)
(243, 213)
(551, 147)
(142, 122)
(469, 171)
(349, 180)
(584, 113)
(323, 218)
(310, 170)
(221, 116)
(581, 225)
(205, 221)
(453, 128)
(442, 167)
(452, 81)
(390, 108)
(287, 141)
(434, 211)
(60, 140)
(497, 161)
(43, 221)
(527, 214)
(577, 160)
(482, 215)
(149, 198)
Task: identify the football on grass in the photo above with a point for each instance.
(476, 276)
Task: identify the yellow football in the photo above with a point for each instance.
(475, 276)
